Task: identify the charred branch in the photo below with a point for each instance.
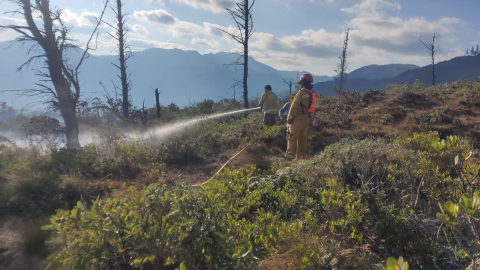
(431, 51)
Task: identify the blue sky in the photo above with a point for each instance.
(291, 34)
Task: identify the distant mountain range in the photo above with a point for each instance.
(459, 68)
(181, 76)
(378, 72)
(185, 77)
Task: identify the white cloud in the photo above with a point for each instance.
(139, 30)
(304, 51)
(212, 30)
(154, 16)
(372, 28)
(205, 42)
(317, 44)
(177, 27)
(212, 51)
(83, 19)
(10, 20)
(368, 8)
(401, 36)
(326, 1)
(182, 28)
(9, 34)
(375, 38)
(215, 6)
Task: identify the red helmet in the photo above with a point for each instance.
(307, 77)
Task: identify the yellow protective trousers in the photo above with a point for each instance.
(297, 138)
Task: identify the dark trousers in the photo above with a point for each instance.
(269, 119)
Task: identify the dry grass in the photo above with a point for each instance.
(290, 258)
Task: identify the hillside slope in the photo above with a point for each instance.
(459, 68)
(378, 72)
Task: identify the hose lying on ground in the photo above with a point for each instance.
(221, 168)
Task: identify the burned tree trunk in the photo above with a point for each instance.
(143, 114)
(341, 69)
(289, 85)
(124, 53)
(431, 52)
(242, 15)
(245, 61)
(157, 99)
(54, 40)
(67, 108)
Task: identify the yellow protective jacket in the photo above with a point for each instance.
(300, 105)
(269, 103)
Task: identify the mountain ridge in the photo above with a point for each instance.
(182, 76)
(458, 68)
(375, 72)
(185, 77)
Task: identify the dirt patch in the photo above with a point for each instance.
(5, 238)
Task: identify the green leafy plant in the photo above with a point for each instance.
(270, 133)
(463, 221)
(400, 264)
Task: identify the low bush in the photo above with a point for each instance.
(29, 186)
(339, 210)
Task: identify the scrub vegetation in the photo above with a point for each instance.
(391, 182)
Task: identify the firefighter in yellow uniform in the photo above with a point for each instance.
(269, 105)
(299, 118)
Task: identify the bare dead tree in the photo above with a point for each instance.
(52, 41)
(124, 53)
(242, 15)
(157, 100)
(341, 69)
(110, 103)
(143, 114)
(431, 52)
(234, 87)
(289, 85)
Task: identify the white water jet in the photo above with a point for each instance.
(167, 130)
(162, 132)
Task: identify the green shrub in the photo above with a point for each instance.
(241, 218)
(85, 161)
(205, 107)
(350, 207)
(43, 130)
(436, 118)
(43, 193)
(400, 264)
(31, 186)
(337, 110)
(270, 133)
(179, 150)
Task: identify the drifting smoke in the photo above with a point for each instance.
(15, 137)
(165, 131)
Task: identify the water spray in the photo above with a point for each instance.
(164, 131)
